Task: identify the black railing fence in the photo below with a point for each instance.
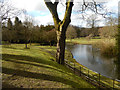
(93, 77)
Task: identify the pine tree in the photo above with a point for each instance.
(18, 27)
(17, 22)
(9, 24)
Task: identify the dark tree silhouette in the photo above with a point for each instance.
(9, 24)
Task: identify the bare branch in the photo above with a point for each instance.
(97, 8)
(53, 9)
(56, 2)
(69, 5)
(8, 11)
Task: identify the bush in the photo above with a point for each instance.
(107, 47)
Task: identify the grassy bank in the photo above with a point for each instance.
(36, 68)
(107, 47)
(83, 41)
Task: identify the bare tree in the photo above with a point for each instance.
(28, 26)
(61, 25)
(110, 30)
(111, 21)
(92, 22)
(7, 10)
(71, 32)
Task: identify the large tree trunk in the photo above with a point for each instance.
(61, 36)
(60, 26)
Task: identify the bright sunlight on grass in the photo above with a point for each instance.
(36, 68)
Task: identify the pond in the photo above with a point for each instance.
(92, 59)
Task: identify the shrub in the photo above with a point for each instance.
(107, 47)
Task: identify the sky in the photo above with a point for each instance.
(42, 16)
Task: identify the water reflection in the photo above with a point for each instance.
(92, 59)
(118, 67)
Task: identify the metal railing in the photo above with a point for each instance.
(93, 77)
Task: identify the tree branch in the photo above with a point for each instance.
(95, 7)
(67, 20)
(53, 9)
(56, 2)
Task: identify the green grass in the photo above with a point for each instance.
(83, 41)
(36, 68)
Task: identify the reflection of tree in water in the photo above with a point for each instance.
(98, 59)
(96, 55)
(91, 55)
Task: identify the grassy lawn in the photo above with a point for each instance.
(83, 41)
(36, 68)
(90, 41)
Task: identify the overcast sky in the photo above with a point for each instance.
(38, 10)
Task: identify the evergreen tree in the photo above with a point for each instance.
(18, 27)
(17, 23)
(9, 24)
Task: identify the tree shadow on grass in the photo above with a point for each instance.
(39, 76)
(6, 86)
(28, 58)
(38, 65)
(20, 59)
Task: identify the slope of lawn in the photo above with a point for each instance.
(36, 68)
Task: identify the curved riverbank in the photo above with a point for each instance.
(94, 76)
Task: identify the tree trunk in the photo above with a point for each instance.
(60, 26)
(61, 36)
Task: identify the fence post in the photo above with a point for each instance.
(99, 80)
(80, 70)
(113, 83)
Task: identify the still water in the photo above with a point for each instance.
(92, 59)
